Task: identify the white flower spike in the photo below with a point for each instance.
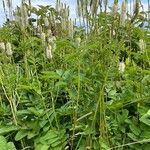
(9, 51)
(49, 52)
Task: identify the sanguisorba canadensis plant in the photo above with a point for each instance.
(76, 85)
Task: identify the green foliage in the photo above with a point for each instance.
(6, 145)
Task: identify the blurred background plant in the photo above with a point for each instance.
(70, 86)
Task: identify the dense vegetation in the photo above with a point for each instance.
(80, 85)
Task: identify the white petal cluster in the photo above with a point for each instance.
(121, 67)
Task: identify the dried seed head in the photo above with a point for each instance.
(121, 67)
(49, 52)
(142, 45)
(9, 51)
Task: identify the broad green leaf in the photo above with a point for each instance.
(41, 147)
(11, 146)
(3, 143)
(21, 134)
(35, 111)
(61, 84)
(32, 134)
(23, 112)
(132, 136)
(7, 129)
(135, 129)
(48, 136)
(146, 118)
(50, 75)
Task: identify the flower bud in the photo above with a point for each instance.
(9, 51)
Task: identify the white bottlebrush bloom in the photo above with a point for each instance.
(9, 51)
(123, 12)
(43, 38)
(54, 38)
(50, 40)
(24, 15)
(121, 67)
(46, 21)
(142, 45)
(49, 33)
(49, 52)
(2, 46)
(63, 24)
(115, 8)
(71, 28)
(78, 41)
(67, 12)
